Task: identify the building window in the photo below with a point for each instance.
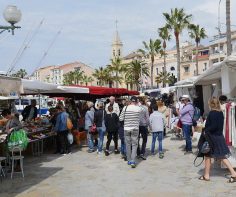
(119, 52)
(205, 66)
(114, 53)
(172, 68)
(157, 71)
(221, 48)
(186, 69)
(214, 61)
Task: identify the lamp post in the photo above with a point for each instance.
(12, 15)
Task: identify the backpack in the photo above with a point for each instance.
(69, 123)
(197, 114)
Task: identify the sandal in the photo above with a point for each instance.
(232, 179)
(202, 178)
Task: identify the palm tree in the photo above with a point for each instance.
(110, 78)
(165, 36)
(197, 33)
(86, 79)
(165, 78)
(177, 21)
(150, 50)
(20, 73)
(228, 28)
(116, 67)
(69, 78)
(129, 81)
(77, 75)
(135, 71)
(100, 74)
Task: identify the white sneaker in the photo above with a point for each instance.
(100, 153)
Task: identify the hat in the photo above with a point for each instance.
(134, 99)
(185, 97)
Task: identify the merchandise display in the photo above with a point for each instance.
(38, 129)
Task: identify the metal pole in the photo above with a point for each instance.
(228, 28)
(219, 24)
(141, 73)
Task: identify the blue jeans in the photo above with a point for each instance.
(123, 147)
(157, 135)
(90, 138)
(101, 134)
(122, 140)
(187, 130)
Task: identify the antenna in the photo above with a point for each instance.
(116, 21)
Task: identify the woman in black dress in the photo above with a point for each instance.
(219, 149)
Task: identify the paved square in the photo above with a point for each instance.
(83, 174)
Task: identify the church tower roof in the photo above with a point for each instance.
(116, 40)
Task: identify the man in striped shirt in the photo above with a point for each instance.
(131, 115)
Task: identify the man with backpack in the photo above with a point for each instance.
(186, 117)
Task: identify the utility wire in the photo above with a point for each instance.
(24, 47)
(46, 52)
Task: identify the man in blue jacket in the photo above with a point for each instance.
(62, 130)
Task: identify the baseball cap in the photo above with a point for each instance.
(134, 99)
(185, 97)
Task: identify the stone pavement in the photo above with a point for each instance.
(82, 174)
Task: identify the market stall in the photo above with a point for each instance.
(10, 86)
(220, 79)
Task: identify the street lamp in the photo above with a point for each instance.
(12, 15)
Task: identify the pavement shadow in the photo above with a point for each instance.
(34, 174)
(215, 172)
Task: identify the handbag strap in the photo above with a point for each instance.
(125, 112)
(194, 162)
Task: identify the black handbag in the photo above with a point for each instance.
(204, 148)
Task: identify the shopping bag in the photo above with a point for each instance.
(69, 124)
(18, 138)
(179, 124)
(70, 138)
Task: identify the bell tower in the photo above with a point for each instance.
(116, 45)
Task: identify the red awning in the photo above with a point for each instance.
(131, 92)
(105, 91)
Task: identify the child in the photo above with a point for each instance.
(157, 128)
(112, 125)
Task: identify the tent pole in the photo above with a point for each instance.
(39, 105)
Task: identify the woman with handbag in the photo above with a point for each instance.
(214, 132)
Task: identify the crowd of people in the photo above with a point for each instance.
(130, 121)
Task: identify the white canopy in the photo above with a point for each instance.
(71, 90)
(37, 87)
(188, 81)
(10, 86)
(223, 72)
(214, 73)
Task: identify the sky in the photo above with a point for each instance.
(83, 30)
